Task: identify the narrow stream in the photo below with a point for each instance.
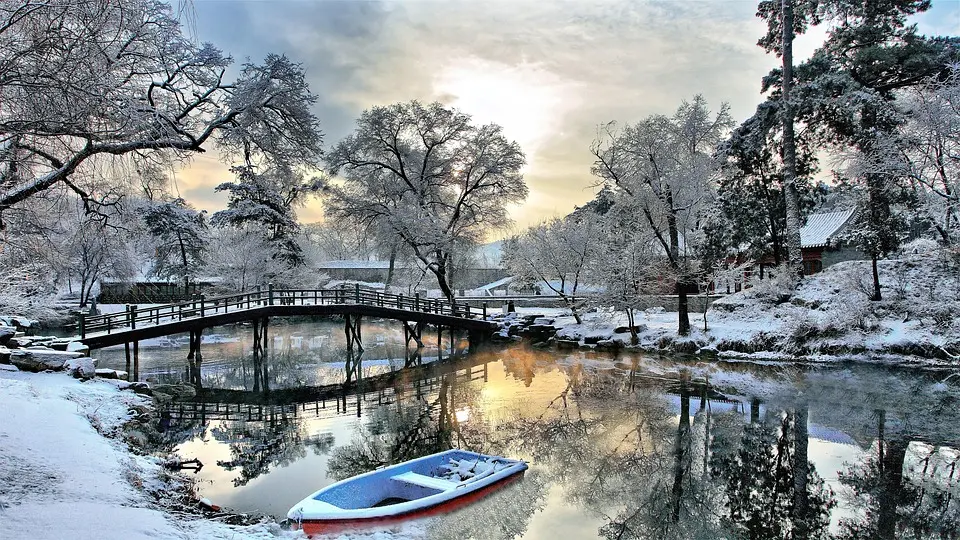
(633, 446)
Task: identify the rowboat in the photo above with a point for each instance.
(407, 489)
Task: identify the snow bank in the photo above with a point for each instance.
(830, 313)
(63, 478)
(828, 318)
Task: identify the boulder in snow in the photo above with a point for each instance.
(6, 333)
(8, 367)
(80, 368)
(105, 373)
(176, 390)
(77, 346)
(40, 360)
(19, 342)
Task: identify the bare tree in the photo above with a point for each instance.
(86, 84)
(430, 177)
(556, 254)
(664, 167)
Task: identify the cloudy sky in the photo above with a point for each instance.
(548, 71)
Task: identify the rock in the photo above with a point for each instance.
(593, 339)
(608, 345)
(4, 355)
(77, 346)
(567, 344)
(626, 329)
(6, 333)
(19, 342)
(40, 359)
(105, 373)
(543, 320)
(80, 368)
(8, 367)
(141, 388)
(541, 345)
(176, 390)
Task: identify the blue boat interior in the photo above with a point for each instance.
(394, 485)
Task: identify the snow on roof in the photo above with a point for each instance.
(821, 229)
(498, 283)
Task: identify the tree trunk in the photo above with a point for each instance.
(393, 262)
(440, 271)
(801, 470)
(183, 258)
(876, 280)
(634, 338)
(683, 309)
(791, 198)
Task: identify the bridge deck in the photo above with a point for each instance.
(156, 321)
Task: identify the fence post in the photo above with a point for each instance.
(416, 302)
(133, 317)
(453, 308)
(270, 294)
(484, 310)
(357, 292)
(400, 302)
(83, 326)
(203, 298)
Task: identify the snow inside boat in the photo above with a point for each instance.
(408, 487)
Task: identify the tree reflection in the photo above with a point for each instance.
(760, 481)
(652, 473)
(892, 505)
(256, 446)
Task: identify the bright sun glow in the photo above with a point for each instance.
(526, 99)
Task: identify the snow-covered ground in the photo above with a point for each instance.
(828, 317)
(60, 477)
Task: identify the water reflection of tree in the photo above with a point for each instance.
(653, 474)
(255, 446)
(760, 480)
(411, 427)
(891, 505)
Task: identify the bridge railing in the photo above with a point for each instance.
(137, 317)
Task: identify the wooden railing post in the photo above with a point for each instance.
(133, 317)
(269, 294)
(258, 295)
(416, 302)
(484, 310)
(357, 292)
(400, 302)
(203, 298)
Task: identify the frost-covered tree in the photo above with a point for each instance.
(89, 85)
(266, 200)
(752, 191)
(782, 26)
(430, 177)
(665, 167)
(95, 251)
(845, 93)
(179, 232)
(932, 151)
(557, 255)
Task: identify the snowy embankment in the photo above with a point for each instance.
(828, 317)
(65, 474)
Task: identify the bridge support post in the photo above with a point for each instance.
(136, 360)
(126, 351)
(414, 333)
(195, 357)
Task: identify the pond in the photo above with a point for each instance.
(634, 446)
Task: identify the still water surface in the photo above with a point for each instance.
(632, 446)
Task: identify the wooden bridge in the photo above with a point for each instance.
(134, 324)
